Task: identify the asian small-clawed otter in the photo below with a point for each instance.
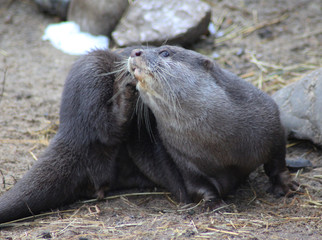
(216, 127)
(204, 130)
(98, 147)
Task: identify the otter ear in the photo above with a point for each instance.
(207, 64)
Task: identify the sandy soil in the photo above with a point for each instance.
(32, 74)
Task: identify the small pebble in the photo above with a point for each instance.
(45, 235)
(265, 33)
(296, 164)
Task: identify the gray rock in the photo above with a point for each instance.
(301, 107)
(54, 7)
(98, 17)
(163, 21)
(298, 163)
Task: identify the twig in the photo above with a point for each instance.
(171, 200)
(220, 231)
(247, 75)
(260, 81)
(193, 207)
(229, 36)
(3, 82)
(319, 31)
(232, 224)
(20, 141)
(16, 222)
(220, 21)
(258, 63)
(235, 8)
(3, 52)
(254, 197)
(194, 226)
(248, 30)
(217, 209)
(265, 24)
(127, 195)
(316, 203)
(33, 156)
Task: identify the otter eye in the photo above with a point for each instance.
(164, 53)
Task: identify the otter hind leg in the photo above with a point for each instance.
(228, 180)
(209, 189)
(279, 176)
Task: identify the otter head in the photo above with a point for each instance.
(171, 79)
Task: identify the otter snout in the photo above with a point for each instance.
(133, 60)
(136, 53)
(137, 66)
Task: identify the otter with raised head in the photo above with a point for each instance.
(207, 131)
(217, 127)
(97, 147)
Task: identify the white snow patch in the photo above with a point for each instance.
(67, 37)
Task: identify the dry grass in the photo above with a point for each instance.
(267, 76)
(88, 220)
(235, 31)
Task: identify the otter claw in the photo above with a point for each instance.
(289, 189)
(212, 204)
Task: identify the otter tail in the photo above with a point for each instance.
(76, 164)
(56, 179)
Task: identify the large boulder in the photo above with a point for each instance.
(301, 107)
(98, 17)
(163, 21)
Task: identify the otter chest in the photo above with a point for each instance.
(192, 141)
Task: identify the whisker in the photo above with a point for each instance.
(109, 73)
(139, 112)
(121, 75)
(165, 42)
(162, 75)
(148, 122)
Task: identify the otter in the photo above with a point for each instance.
(216, 127)
(98, 147)
(148, 117)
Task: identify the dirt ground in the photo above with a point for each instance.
(270, 43)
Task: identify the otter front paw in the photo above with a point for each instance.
(283, 185)
(213, 204)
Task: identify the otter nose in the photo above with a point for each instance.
(136, 53)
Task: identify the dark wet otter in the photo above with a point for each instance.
(97, 147)
(217, 127)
